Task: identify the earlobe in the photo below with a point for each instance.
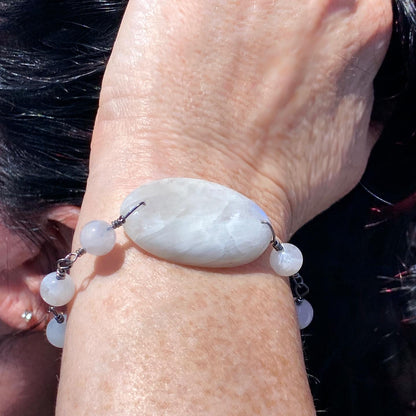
(24, 265)
(20, 304)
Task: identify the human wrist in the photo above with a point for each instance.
(139, 159)
(221, 311)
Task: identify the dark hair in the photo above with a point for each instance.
(390, 171)
(52, 59)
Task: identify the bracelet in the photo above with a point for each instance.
(191, 222)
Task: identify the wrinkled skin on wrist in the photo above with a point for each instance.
(270, 98)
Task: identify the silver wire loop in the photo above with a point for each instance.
(122, 218)
(59, 317)
(276, 244)
(64, 264)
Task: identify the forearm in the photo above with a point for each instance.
(156, 338)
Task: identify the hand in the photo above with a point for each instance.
(270, 98)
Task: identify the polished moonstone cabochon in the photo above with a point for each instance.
(196, 222)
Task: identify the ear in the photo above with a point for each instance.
(66, 215)
(26, 262)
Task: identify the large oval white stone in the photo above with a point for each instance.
(196, 222)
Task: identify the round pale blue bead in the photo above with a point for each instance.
(55, 332)
(288, 261)
(98, 237)
(57, 292)
(305, 313)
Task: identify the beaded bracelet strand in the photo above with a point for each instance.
(187, 221)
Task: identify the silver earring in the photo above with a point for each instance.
(27, 316)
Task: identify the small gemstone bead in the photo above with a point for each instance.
(98, 238)
(305, 313)
(55, 332)
(57, 292)
(288, 261)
